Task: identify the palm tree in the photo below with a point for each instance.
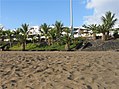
(34, 38)
(16, 34)
(9, 35)
(103, 30)
(67, 38)
(3, 35)
(108, 21)
(94, 28)
(52, 35)
(1, 31)
(39, 35)
(58, 26)
(45, 29)
(1, 27)
(116, 33)
(24, 31)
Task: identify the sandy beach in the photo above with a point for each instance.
(59, 70)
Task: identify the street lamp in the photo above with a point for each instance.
(71, 17)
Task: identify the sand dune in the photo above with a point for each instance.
(59, 70)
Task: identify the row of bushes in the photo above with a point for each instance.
(43, 46)
(37, 47)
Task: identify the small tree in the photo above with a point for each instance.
(23, 35)
(45, 29)
(116, 33)
(109, 21)
(1, 32)
(67, 38)
(3, 35)
(9, 35)
(58, 26)
(94, 28)
(52, 36)
(1, 29)
(16, 34)
(103, 30)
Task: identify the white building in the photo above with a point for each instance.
(34, 30)
(76, 32)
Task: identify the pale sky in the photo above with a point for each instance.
(13, 13)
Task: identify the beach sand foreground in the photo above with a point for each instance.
(59, 70)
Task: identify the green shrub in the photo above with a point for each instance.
(37, 47)
(30, 46)
(116, 35)
(16, 47)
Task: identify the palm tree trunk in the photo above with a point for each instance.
(10, 44)
(103, 37)
(49, 41)
(52, 41)
(107, 37)
(3, 38)
(39, 39)
(67, 47)
(23, 45)
(10, 41)
(94, 36)
(45, 38)
(33, 42)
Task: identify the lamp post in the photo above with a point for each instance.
(71, 17)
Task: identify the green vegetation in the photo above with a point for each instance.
(94, 28)
(16, 47)
(45, 31)
(57, 38)
(36, 47)
(108, 21)
(23, 35)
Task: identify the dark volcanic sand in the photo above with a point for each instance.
(59, 70)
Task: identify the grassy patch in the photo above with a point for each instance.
(36, 47)
(17, 47)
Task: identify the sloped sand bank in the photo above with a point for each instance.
(59, 70)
